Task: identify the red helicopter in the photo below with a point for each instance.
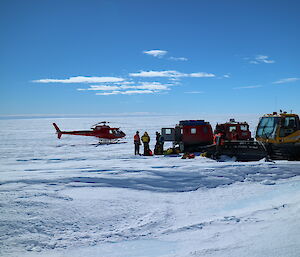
(105, 133)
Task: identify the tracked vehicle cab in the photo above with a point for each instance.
(289, 125)
(278, 128)
(233, 130)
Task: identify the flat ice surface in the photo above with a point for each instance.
(70, 197)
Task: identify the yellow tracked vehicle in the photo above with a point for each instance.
(280, 133)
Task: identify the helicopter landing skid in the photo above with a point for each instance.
(104, 141)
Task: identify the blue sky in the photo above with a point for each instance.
(106, 56)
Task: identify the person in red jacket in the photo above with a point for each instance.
(137, 143)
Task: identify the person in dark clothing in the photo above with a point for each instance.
(157, 137)
(159, 146)
(161, 141)
(157, 149)
(137, 143)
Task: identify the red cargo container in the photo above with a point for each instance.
(189, 134)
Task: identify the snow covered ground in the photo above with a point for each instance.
(70, 197)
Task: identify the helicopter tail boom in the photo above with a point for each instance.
(58, 131)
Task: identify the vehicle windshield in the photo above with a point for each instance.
(267, 127)
(231, 128)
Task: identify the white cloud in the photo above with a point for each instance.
(194, 92)
(129, 92)
(109, 93)
(161, 53)
(226, 76)
(170, 74)
(156, 53)
(100, 88)
(287, 80)
(153, 86)
(248, 87)
(261, 59)
(201, 75)
(264, 59)
(149, 86)
(81, 79)
(178, 58)
(124, 83)
(134, 92)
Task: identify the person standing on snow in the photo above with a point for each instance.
(159, 146)
(137, 143)
(161, 141)
(156, 148)
(146, 141)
